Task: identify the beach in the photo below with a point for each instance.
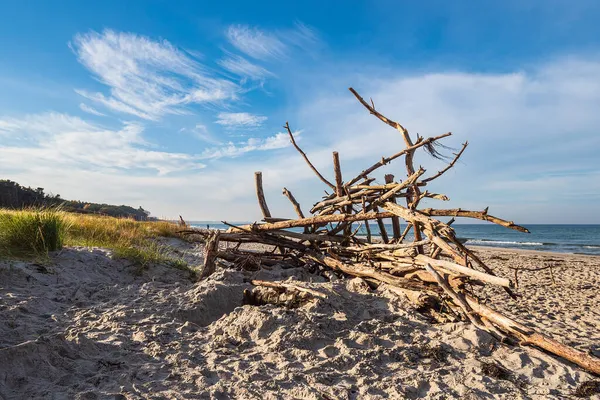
(86, 326)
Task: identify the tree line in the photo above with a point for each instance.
(15, 196)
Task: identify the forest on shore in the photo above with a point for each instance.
(15, 196)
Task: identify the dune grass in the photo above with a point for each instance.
(34, 233)
(31, 233)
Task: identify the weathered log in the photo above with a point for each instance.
(318, 220)
(482, 276)
(315, 170)
(383, 246)
(255, 259)
(529, 336)
(273, 238)
(275, 219)
(457, 298)
(482, 215)
(289, 286)
(364, 271)
(211, 248)
(389, 178)
(337, 171)
(260, 194)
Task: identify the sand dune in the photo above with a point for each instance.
(89, 327)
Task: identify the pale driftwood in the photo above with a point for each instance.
(408, 182)
(315, 170)
(294, 202)
(275, 219)
(529, 336)
(337, 171)
(260, 194)
(364, 271)
(482, 215)
(383, 246)
(211, 247)
(418, 298)
(457, 298)
(318, 220)
(482, 276)
(389, 178)
(238, 234)
(289, 286)
(436, 251)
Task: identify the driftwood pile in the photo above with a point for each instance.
(435, 270)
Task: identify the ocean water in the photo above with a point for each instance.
(578, 239)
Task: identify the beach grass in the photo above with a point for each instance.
(33, 233)
(26, 233)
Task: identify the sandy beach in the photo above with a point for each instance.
(86, 326)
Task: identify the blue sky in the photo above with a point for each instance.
(173, 107)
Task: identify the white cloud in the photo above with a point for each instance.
(279, 141)
(245, 120)
(244, 68)
(256, 42)
(275, 45)
(147, 78)
(90, 110)
(63, 143)
(202, 133)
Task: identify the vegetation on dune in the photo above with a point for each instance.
(35, 232)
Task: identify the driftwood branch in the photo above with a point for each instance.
(294, 202)
(389, 178)
(211, 248)
(315, 170)
(260, 194)
(482, 215)
(450, 165)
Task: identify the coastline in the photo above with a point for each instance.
(529, 252)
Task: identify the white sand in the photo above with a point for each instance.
(87, 327)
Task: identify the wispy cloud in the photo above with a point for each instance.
(147, 78)
(256, 42)
(270, 45)
(63, 142)
(244, 68)
(278, 141)
(90, 110)
(240, 120)
(202, 133)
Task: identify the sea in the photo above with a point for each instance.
(575, 239)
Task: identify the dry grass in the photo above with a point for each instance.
(35, 232)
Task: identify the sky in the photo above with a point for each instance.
(173, 106)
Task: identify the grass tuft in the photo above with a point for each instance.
(32, 233)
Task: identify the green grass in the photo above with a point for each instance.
(32, 234)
